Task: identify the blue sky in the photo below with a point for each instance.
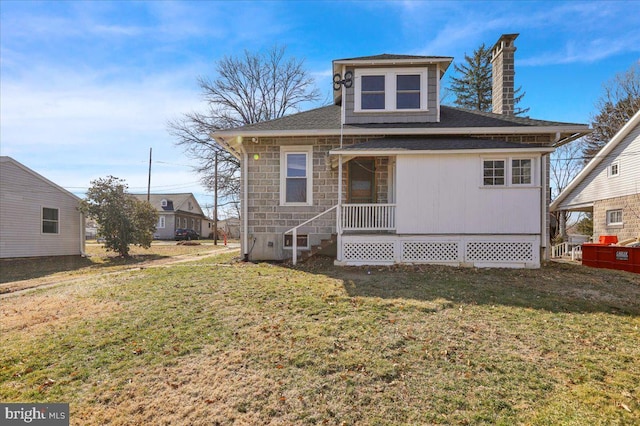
(88, 87)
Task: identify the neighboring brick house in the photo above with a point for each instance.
(609, 186)
(397, 178)
(176, 211)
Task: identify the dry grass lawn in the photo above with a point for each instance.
(217, 342)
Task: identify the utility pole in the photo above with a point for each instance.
(215, 202)
(149, 184)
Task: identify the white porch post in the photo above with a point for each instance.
(339, 210)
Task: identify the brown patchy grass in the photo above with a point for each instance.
(19, 274)
(217, 342)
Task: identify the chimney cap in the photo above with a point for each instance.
(505, 39)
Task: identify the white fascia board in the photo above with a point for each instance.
(601, 155)
(232, 144)
(386, 152)
(525, 130)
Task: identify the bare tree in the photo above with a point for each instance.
(248, 89)
(619, 102)
(566, 163)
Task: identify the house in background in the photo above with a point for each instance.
(37, 217)
(394, 176)
(609, 186)
(176, 211)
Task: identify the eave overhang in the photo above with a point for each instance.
(563, 132)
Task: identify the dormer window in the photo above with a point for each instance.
(163, 203)
(372, 94)
(391, 89)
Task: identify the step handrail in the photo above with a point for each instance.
(294, 258)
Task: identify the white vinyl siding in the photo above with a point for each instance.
(439, 194)
(598, 185)
(23, 194)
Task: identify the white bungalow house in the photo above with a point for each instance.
(395, 177)
(37, 217)
(176, 211)
(609, 186)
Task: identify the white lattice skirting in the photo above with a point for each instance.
(511, 251)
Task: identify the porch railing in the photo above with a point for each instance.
(567, 249)
(294, 232)
(368, 217)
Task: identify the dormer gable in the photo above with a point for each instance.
(389, 88)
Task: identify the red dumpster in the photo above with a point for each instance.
(611, 257)
(608, 239)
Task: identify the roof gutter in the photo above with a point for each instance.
(574, 131)
(385, 152)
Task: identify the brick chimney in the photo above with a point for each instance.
(503, 71)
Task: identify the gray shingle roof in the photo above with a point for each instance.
(435, 143)
(391, 56)
(328, 118)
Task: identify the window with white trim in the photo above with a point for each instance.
(161, 222)
(50, 220)
(163, 203)
(521, 171)
(614, 217)
(391, 89)
(296, 173)
(493, 172)
(508, 172)
(614, 169)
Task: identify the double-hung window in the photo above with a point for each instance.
(408, 91)
(50, 220)
(296, 166)
(391, 89)
(373, 92)
(614, 217)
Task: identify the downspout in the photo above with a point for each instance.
(83, 253)
(245, 201)
(544, 212)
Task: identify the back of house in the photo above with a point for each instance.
(389, 175)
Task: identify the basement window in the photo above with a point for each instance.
(302, 241)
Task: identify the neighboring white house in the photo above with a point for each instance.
(176, 211)
(396, 177)
(37, 217)
(609, 186)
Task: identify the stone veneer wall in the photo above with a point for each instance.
(630, 227)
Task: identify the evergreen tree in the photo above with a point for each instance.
(473, 89)
(122, 218)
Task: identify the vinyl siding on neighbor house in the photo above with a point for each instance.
(598, 185)
(23, 194)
